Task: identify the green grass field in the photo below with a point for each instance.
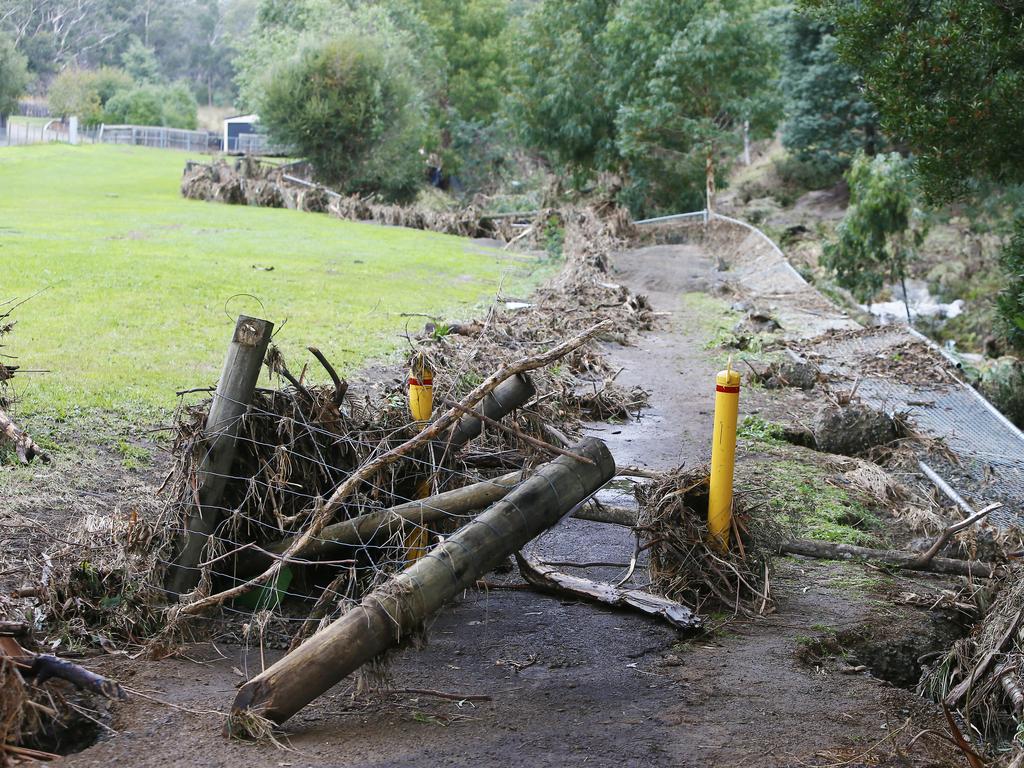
(140, 287)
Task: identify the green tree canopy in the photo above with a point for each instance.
(13, 75)
(655, 90)
(947, 79)
(85, 93)
(828, 120)
(881, 230)
(352, 112)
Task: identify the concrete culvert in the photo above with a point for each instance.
(852, 429)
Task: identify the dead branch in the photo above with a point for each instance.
(324, 515)
(921, 563)
(42, 667)
(828, 551)
(340, 385)
(549, 580)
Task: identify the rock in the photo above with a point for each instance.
(852, 429)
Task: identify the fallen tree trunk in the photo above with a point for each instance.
(911, 561)
(24, 445)
(360, 530)
(550, 580)
(403, 603)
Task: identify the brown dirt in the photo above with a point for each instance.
(572, 684)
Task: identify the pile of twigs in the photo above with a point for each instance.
(685, 565)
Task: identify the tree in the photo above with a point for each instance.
(947, 79)
(1010, 303)
(656, 91)
(348, 109)
(828, 120)
(881, 231)
(687, 77)
(139, 61)
(85, 93)
(172, 106)
(560, 101)
(473, 43)
(13, 76)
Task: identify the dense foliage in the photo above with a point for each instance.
(947, 79)
(1011, 300)
(828, 120)
(172, 105)
(881, 230)
(190, 40)
(13, 76)
(85, 92)
(653, 90)
(349, 109)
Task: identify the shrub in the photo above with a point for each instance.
(85, 93)
(13, 75)
(352, 112)
(173, 106)
(1010, 302)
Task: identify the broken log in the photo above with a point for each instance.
(26, 448)
(512, 393)
(906, 560)
(921, 563)
(549, 580)
(230, 402)
(42, 667)
(362, 529)
(401, 605)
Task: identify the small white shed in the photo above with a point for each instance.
(237, 126)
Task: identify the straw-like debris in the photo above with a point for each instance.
(249, 182)
(982, 674)
(686, 566)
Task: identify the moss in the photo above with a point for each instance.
(757, 430)
(801, 495)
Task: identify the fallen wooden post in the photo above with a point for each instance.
(404, 602)
(906, 560)
(42, 667)
(548, 579)
(26, 448)
(512, 393)
(364, 528)
(230, 402)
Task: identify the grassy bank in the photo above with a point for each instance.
(139, 286)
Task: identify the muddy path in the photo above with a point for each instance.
(571, 684)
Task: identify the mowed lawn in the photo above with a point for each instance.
(140, 287)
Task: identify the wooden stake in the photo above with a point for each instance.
(234, 393)
(401, 605)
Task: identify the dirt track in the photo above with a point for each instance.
(572, 684)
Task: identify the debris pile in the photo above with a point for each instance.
(248, 182)
(687, 566)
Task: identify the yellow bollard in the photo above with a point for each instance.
(421, 406)
(723, 455)
(421, 390)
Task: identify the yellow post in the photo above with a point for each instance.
(421, 406)
(723, 455)
(421, 389)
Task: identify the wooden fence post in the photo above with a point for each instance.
(401, 604)
(230, 402)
